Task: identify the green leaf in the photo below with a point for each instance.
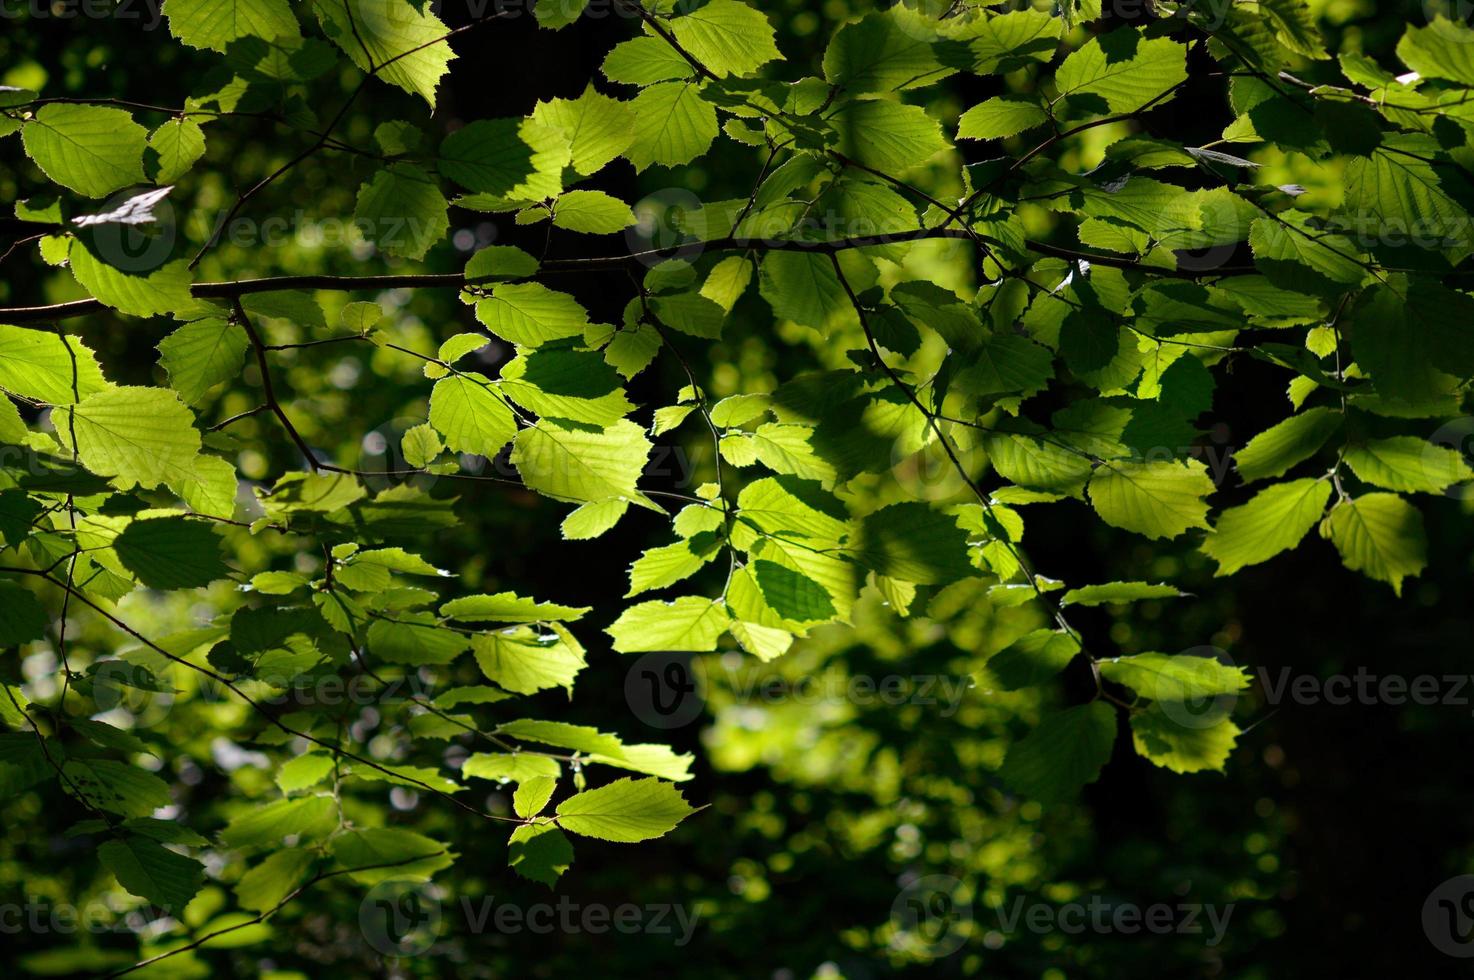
(508, 607)
(1439, 50)
(1032, 659)
(888, 136)
(597, 127)
(214, 24)
(1412, 336)
(626, 810)
(530, 314)
(1408, 464)
(171, 552)
(402, 211)
(689, 623)
(514, 766)
(471, 414)
(303, 816)
(914, 543)
(592, 520)
(1121, 72)
(93, 150)
(1181, 678)
(1275, 520)
(22, 617)
(404, 41)
(1158, 499)
(1099, 595)
(151, 871)
(140, 436)
(517, 159)
(415, 638)
(267, 884)
(885, 51)
(1380, 535)
(728, 37)
(644, 60)
(1000, 116)
(532, 795)
(1182, 748)
(421, 445)
(673, 125)
(388, 854)
(659, 568)
(539, 852)
(202, 354)
(578, 465)
(115, 787)
(1064, 752)
(158, 291)
(525, 661)
(54, 368)
(1295, 255)
(1286, 444)
(304, 771)
(654, 760)
(592, 212)
(173, 149)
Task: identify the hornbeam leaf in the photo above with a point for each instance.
(1098, 595)
(140, 436)
(1273, 521)
(471, 414)
(580, 466)
(1064, 752)
(689, 623)
(524, 661)
(1000, 116)
(1381, 535)
(886, 51)
(592, 212)
(1178, 747)
(626, 810)
(402, 211)
(539, 852)
(150, 870)
(54, 368)
(673, 125)
(115, 786)
(1031, 659)
(303, 816)
(1121, 72)
(214, 24)
(728, 37)
(597, 127)
(1408, 464)
(1286, 444)
(508, 607)
(158, 291)
(93, 150)
(1159, 499)
(405, 42)
(202, 354)
(888, 136)
(1164, 677)
(171, 552)
(913, 543)
(516, 159)
(268, 883)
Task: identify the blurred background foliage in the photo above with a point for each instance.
(1325, 836)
